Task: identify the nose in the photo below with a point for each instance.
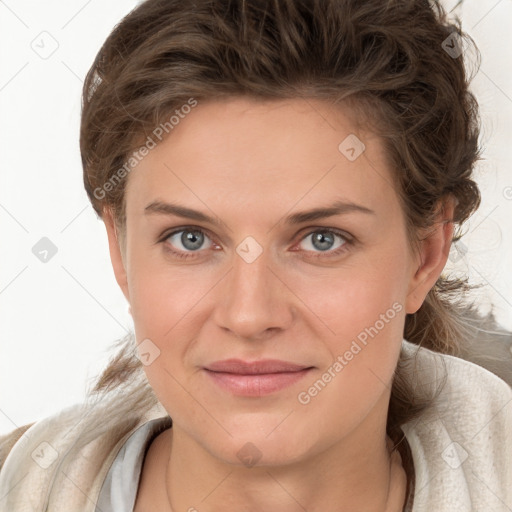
(254, 303)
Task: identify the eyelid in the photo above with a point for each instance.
(326, 229)
(172, 231)
(349, 241)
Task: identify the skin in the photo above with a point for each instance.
(250, 164)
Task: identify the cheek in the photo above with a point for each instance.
(359, 296)
(363, 308)
(162, 298)
(169, 308)
(367, 317)
(163, 302)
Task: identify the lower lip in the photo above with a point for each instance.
(256, 385)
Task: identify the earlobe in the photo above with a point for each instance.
(432, 256)
(116, 255)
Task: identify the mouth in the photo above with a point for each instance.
(256, 378)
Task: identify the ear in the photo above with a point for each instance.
(115, 250)
(431, 259)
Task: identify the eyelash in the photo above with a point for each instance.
(349, 242)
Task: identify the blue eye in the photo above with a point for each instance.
(190, 239)
(323, 243)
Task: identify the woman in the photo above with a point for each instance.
(281, 183)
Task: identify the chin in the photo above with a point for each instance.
(261, 443)
(260, 453)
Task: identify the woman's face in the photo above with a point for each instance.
(237, 271)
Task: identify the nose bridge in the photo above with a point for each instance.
(250, 277)
(252, 299)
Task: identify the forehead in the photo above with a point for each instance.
(244, 152)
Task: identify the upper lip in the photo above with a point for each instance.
(241, 367)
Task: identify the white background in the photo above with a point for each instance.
(58, 319)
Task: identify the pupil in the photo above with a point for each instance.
(191, 239)
(320, 238)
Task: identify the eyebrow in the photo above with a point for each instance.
(337, 208)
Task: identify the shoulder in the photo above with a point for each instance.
(44, 464)
(7, 441)
(31, 455)
(462, 443)
(28, 454)
(30, 436)
(475, 364)
(466, 391)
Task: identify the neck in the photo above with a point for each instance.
(358, 473)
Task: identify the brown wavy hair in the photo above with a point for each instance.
(394, 62)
